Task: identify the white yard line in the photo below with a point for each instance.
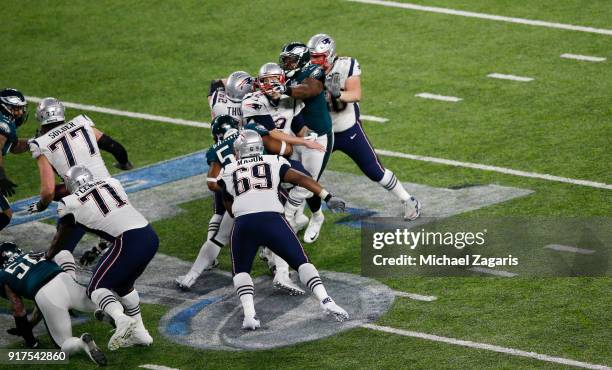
(491, 17)
(157, 367)
(416, 297)
(503, 170)
(583, 57)
(452, 99)
(374, 118)
(387, 153)
(116, 112)
(489, 271)
(487, 347)
(509, 77)
(567, 248)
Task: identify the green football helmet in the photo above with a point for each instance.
(8, 251)
(222, 126)
(293, 57)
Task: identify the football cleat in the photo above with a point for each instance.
(124, 166)
(185, 282)
(92, 350)
(139, 338)
(314, 227)
(123, 332)
(283, 282)
(412, 209)
(250, 323)
(331, 308)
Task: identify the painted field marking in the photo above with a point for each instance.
(123, 113)
(157, 367)
(374, 118)
(485, 346)
(489, 271)
(484, 167)
(452, 99)
(491, 17)
(567, 248)
(416, 297)
(583, 57)
(387, 153)
(510, 77)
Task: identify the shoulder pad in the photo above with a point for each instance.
(5, 128)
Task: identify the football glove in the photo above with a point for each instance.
(336, 204)
(36, 207)
(335, 87)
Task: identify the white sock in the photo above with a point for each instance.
(106, 300)
(309, 276)
(73, 345)
(390, 182)
(208, 252)
(245, 290)
(213, 225)
(131, 305)
(282, 267)
(65, 260)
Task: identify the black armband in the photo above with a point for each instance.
(288, 90)
(214, 86)
(107, 144)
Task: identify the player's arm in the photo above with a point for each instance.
(298, 178)
(309, 88)
(21, 146)
(211, 178)
(7, 187)
(47, 183)
(108, 144)
(24, 328)
(279, 147)
(352, 90)
(228, 200)
(295, 140)
(64, 229)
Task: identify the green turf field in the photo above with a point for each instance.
(159, 57)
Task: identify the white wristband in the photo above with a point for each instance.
(211, 179)
(323, 194)
(283, 148)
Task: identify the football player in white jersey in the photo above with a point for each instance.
(344, 92)
(250, 186)
(61, 145)
(225, 96)
(101, 206)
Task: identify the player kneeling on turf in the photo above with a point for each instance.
(32, 276)
(101, 206)
(250, 186)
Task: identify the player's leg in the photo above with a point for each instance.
(245, 238)
(288, 246)
(7, 214)
(110, 272)
(53, 301)
(131, 305)
(207, 256)
(316, 162)
(354, 143)
(73, 239)
(65, 260)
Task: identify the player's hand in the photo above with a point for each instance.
(314, 145)
(36, 207)
(7, 187)
(336, 204)
(334, 86)
(279, 88)
(89, 257)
